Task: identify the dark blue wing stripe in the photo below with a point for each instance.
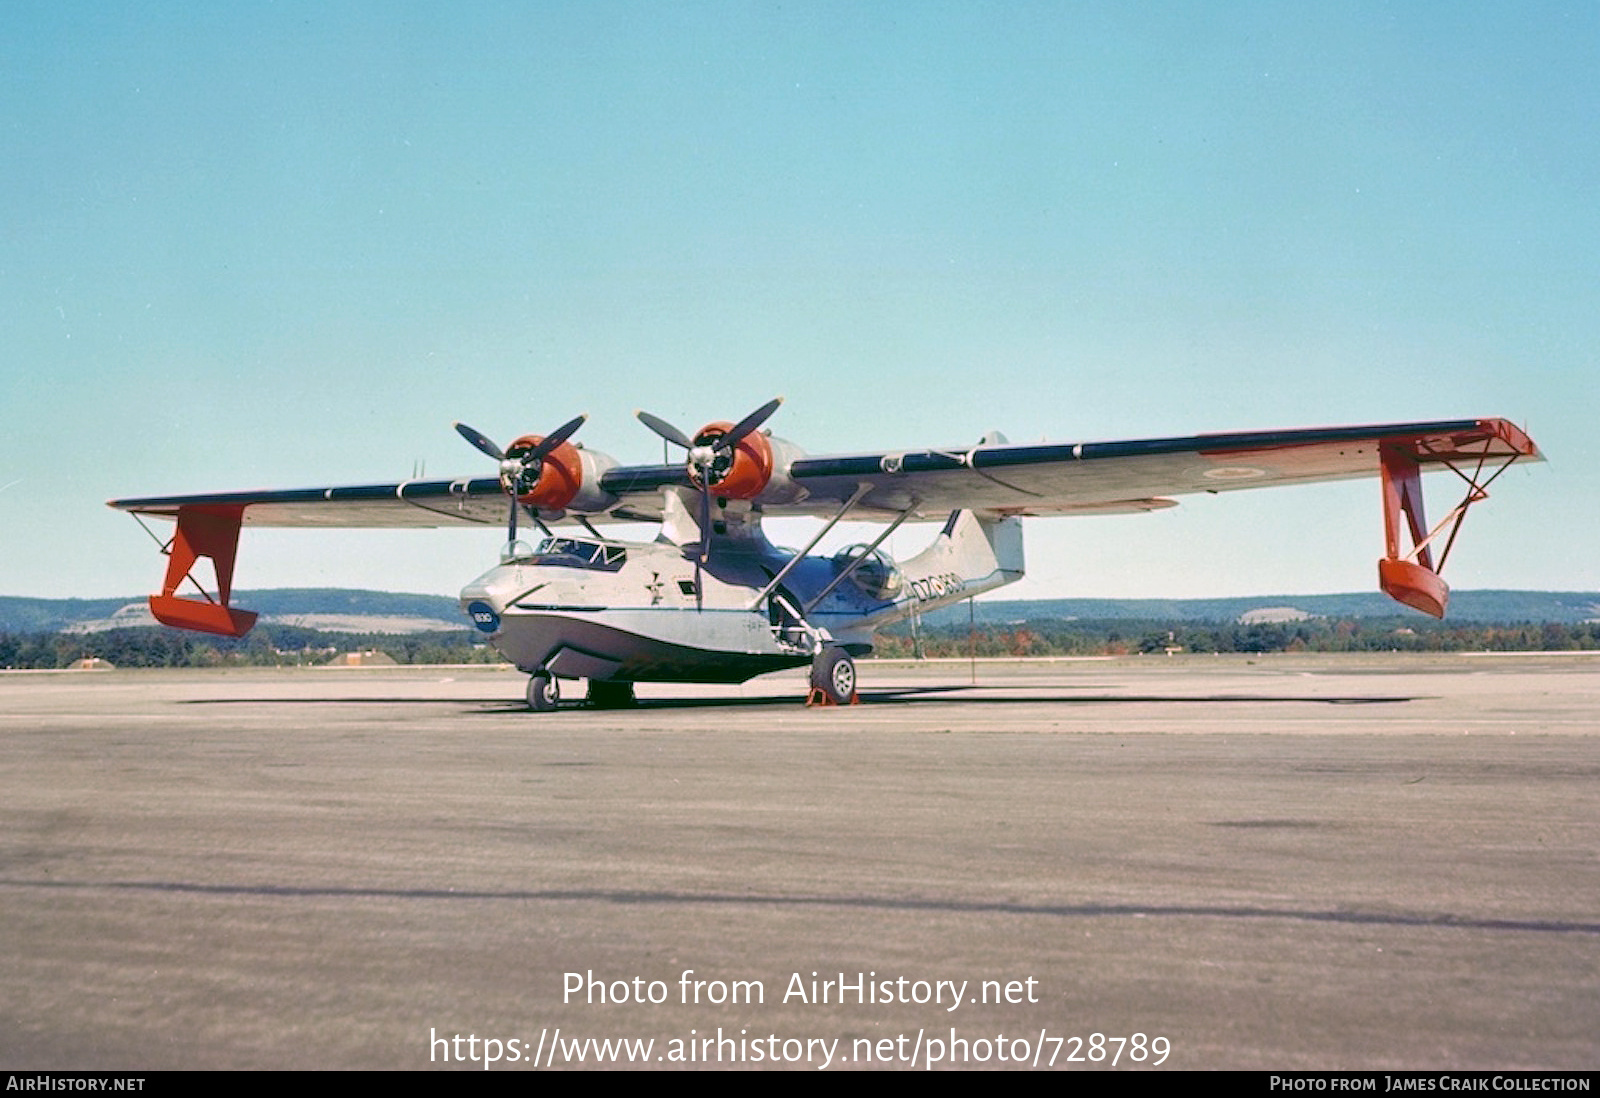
(986, 457)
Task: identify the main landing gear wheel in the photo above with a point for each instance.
(833, 678)
(543, 693)
(611, 695)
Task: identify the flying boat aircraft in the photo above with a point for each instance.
(712, 600)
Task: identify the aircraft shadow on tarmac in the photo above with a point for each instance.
(866, 902)
(960, 694)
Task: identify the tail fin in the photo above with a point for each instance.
(971, 555)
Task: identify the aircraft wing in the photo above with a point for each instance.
(1031, 479)
(1102, 477)
(469, 501)
(1090, 478)
(993, 477)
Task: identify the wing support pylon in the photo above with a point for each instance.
(204, 530)
(1412, 577)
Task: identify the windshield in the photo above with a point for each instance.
(578, 553)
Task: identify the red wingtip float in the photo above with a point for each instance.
(1413, 577)
(203, 531)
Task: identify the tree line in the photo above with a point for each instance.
(1123, 636)
(265, 646)
(289, 646)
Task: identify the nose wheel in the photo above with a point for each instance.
(543, 693)
(833, 678)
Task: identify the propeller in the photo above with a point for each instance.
(705, 456)
(706, 459)
(520, 467)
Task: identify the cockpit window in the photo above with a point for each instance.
(578, 553)
(876, 576)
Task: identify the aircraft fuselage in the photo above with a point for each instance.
(644, 612)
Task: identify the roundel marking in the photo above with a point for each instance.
(483, 616)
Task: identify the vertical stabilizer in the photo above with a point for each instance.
(971, 555)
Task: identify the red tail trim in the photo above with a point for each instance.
(204, 530)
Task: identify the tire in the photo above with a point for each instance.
(833, 673)
(611, 695)
(543, 692)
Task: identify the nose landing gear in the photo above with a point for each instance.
(543, 692)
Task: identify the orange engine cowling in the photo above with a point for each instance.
(742, 473)
(559, 479)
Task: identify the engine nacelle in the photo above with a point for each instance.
(568, 479)
(740, 473)
(756, 468)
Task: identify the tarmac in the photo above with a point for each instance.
(1285, 863)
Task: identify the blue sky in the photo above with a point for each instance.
(277, 245)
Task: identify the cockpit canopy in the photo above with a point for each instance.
(574, 553)
(876, 576)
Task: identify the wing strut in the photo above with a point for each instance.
(1413, 577)
(857, 561)
(204, 530)
(855, 497)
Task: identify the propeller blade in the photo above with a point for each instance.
(664, 429)
(481, 442)
(705, 544)
(554, 439)
(705, 520)
(514, 470)
(747, 424)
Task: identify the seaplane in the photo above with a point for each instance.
(712, 600)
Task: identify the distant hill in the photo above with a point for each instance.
(1562, 607)
(338, 609)
(325, 608)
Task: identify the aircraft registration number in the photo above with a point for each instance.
(937, 587)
